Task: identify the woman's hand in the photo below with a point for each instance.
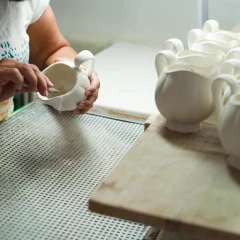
(91, 93)
(12, 75)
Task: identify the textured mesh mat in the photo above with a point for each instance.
(50, 164)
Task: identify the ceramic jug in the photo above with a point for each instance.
(231, 67)
(223, 36)
(210, 26)
(220, 36)
(71, 79)
(210, 46)
(183, 92)
(233, 53)
(200, 58)
(173, 44)
(193, 57)
(228, 117)
(195, 35)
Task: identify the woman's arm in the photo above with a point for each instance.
(46, 41)
(47, 44)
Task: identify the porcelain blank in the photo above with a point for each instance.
(210, 46)
(233, 53)
(174, 44)
(228, 117)
(192, 57)
(201, 59)
(71, 79)
(183, 96)
(210, 26)
(231, 67)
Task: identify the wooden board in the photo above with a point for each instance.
(176, 181)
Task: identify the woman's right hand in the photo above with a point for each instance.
(12, 75)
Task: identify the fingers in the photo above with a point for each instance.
(85, 105)
(11, 70)
(80, 111)
(94, 84)
(11, 75)
(92, 95)
(42, 81)
(7, 91)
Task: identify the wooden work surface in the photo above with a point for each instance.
(175, 181)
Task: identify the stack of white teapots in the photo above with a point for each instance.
(193, 83)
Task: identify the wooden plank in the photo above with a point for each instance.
(152, 234)
(149, 121)
(180, 182)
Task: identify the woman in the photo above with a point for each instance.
(28, 30)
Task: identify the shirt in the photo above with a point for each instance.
(15, 17)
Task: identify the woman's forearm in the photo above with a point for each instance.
(66, 52)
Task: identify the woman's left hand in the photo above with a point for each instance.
(91, 93)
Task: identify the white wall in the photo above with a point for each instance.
(226, 12)
(149, 22)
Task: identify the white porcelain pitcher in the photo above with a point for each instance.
(231, 67)
(210, 46)
(192, 57)
(228, 117)
(210, 26)
(196, 35)
(71, 79)
(200, 58)
(183, 92)
(233, 53)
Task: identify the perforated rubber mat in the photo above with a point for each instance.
(50, 164)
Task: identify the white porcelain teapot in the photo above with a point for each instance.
(228, 117)
(183, 92)
(71, 79)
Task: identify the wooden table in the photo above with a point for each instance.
(179, 182)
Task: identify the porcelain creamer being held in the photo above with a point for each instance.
(183, 93)
(71, 79)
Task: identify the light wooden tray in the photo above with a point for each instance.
(177, 181)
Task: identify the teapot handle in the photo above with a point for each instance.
(174, 44)
(163, 59)
(82, 57)
(210, 26)
(194, 35)
(217, 90)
